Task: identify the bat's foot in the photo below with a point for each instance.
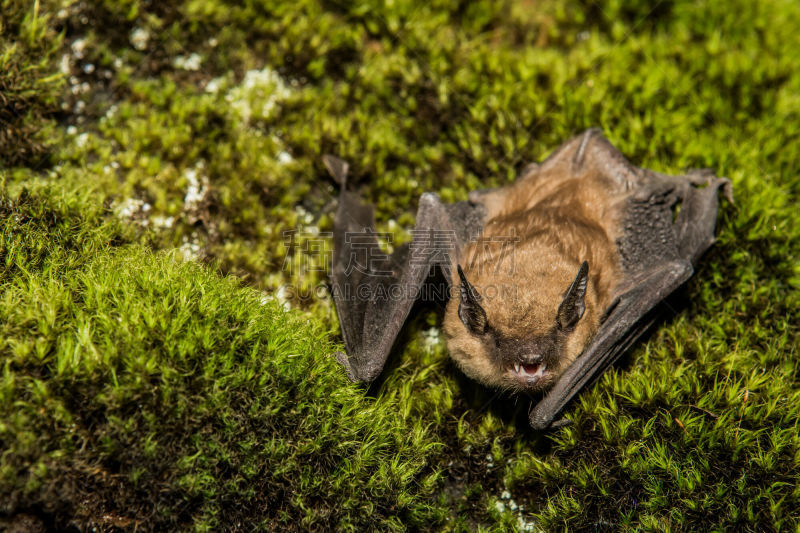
(564, 422)
(706, 177)
(541, 422)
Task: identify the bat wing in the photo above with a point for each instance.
(374, 292)
(668, 224)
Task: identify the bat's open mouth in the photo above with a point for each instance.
(529, 372)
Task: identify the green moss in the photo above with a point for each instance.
(201, 128)
(151, 387)
(29, 83)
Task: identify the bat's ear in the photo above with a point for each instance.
(572, 307)
(469, 309)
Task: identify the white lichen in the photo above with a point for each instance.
(525, 525)
(140, 37)
(162, 222)
(213, 86)
(190, 62)
(259, 94)
(129, 208)
(430, 338)
(133, 209)
(285, 157)
(190, 248)
(65, 65)
(303, 215)
(81, 140)
(283, 295)
(506, 504)
(197, 188)
(79, 47)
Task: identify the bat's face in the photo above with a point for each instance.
(521, 343)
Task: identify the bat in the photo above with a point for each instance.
(551, 278)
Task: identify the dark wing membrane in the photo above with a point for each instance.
(374, 293)
(352, 219)
(669, 223)
(694, 225)
(628, 320)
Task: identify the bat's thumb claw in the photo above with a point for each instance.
(342, 359)
(338, 168)
(727, 189)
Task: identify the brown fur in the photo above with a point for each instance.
(558, 219)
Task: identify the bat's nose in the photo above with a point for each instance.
(532, 359)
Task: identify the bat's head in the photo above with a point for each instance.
(525, 339)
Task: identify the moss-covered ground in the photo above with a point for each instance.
(165, 343)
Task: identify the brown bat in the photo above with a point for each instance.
(555, 275)
(552, 290)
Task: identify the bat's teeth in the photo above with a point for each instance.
(516, 367)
